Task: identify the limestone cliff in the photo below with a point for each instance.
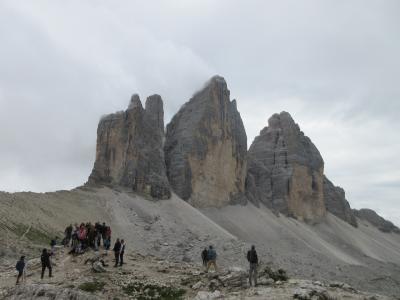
(285, 170)
(205, 148)
(336, 203)
(129, 149)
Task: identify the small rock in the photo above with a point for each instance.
(197, 285)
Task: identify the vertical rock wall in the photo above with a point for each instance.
(205, 148)
(129, 149)
(285, 170)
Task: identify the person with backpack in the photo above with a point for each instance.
(212, 259)
(46, 263)
(121, 253)
(117, 251)
(253, 260)
(21, 269)
(67, 235)
(204, 256)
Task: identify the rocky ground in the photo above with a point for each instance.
(173, 231)
(149, 277)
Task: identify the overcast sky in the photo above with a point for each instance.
(334, 65)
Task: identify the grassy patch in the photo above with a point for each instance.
(35, 235)
(148, 291)
(92, 287)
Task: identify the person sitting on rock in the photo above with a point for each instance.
(20, 268)
(253, 260)
(212, 258)
(121, 253)
(204, 256)
(117, 251)
(46, 263)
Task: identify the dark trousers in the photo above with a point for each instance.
(121, 258)
(44, 266)
(116, 253)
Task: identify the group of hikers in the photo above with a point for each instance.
(86, 235)
(79, 238)
(209, 258)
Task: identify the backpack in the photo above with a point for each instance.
(211, 255)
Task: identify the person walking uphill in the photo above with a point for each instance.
(212, 258)
(117, 251)
(253, 260)
(20, 268)
(46, 263)
(204, 256)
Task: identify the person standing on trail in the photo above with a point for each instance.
(68, 235)
(21, 269)
(46, 263)
(103, 233)
(212, 258)
(204, 257)
(107, 241)
(99, 230)
(117, 251)
(121, 253)
(253, 260)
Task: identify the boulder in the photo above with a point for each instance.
(129, 149)
(376, 220)
(336, 203)
(285, 171)
(206, 147)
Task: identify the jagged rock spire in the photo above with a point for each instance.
(206, 147)
(129, 149)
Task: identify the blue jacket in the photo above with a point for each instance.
(211, 254)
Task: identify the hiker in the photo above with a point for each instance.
(74, 236)
(21, 269)
(103, 233)
(91, 235)
(121, 253)
(117, 250)
(253, 260)
(107, 241)
(212, 258)
(82, 234)
(46, 263)
(67, 235)
(53, 244)
(204, 256)
(99, 230)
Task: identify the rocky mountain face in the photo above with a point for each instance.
(129, 149)
(206, 147)
(285, 170)
(376, 220)
(336, 203)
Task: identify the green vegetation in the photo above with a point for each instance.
(35, 235)
(148, 291)
(92, 287)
